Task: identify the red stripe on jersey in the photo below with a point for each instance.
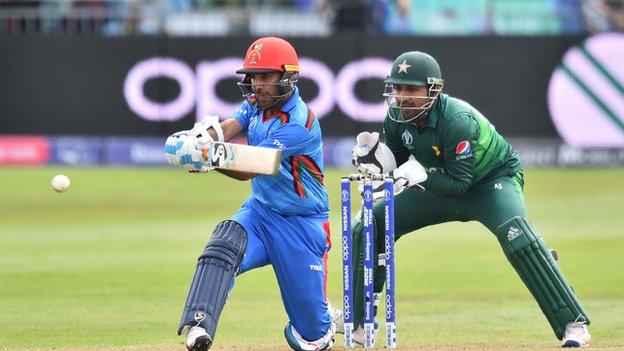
(313, 167)
(297, 185)
(310, 120)
(266, 115)
(325, 265)
(284, 117)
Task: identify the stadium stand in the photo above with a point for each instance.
(309, 17)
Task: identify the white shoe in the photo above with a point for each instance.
(358, 334)
(576, 335)
(198, 339)
(298, 343)
(337, 319)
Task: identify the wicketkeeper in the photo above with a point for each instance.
(284, 221)
(454, 166)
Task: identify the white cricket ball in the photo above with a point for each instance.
(60, 183)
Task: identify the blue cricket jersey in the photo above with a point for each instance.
(298, 187)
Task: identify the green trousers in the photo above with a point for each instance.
(499, 205)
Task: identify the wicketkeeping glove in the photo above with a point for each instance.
(372, 157)
(378, 189)
(409, 175)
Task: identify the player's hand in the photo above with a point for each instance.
(194, 155)
(371, 156)
(173, 144)
(378, 189)
(409, 175)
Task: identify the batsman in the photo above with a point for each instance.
(283, 223)
(454, 166)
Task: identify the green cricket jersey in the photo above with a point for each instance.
(458, 146)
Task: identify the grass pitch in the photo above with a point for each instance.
(106, 265)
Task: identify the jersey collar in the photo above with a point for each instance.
(432, 119)
(284, 109)
(291, 102)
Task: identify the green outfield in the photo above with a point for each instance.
(107, 264)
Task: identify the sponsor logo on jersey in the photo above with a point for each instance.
(278, 144)
(513, 233)
(436, 170)
(253, 122)
(463, 150)
(316, 267)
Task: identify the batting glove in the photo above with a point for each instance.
(173, 144)
(200, 129)
(194, 156)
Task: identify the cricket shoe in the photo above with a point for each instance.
(337, 318)
(198, 339)
(358, 334)
(298, 343)
(576, 335)
(338, 315)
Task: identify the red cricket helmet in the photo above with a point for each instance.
(270, 54)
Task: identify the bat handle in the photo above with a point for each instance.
(205, 153)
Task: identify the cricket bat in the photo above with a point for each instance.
(243, 158)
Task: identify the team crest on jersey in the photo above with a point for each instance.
(436, 150)
(407, 138)
(463, 150)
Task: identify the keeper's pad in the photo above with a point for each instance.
(531, 258)
(358, 271)
(215, 270)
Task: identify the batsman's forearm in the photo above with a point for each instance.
(231, 128)
(236, 174)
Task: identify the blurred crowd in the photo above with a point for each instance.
(309, 17)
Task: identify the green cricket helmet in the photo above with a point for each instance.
(413, 68)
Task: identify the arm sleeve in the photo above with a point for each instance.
(242, 115)
(393, 140)
(291, 138)
(458, 142)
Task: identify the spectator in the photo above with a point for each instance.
(22, 18)
(399, 18)
(349, 15)
(604, 15)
